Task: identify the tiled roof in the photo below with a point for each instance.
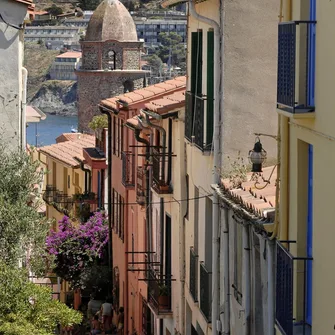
(73, 137)
(161, 106)
(66, 150)
(167, 103)
(70, 54)
(26, 2)
(146, 93)
(256, 201)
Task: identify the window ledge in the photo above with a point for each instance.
(297, 115)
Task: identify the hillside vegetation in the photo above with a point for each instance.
(37, 60)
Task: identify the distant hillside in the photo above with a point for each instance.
(37, 60)
(68, 6)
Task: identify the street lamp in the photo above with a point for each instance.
(257, 156)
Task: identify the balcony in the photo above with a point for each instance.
(296, 58)
(48, 194)
(159, 162)
(196, 127)
(291, 289)
(141, 185)
(194, 274)
(128, 169)
(205, 292)
(159, 295)
(59, 200)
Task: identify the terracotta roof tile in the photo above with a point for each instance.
(167, 103)
(70, 54)
(68, 147)
(254, 200)
(146, 92)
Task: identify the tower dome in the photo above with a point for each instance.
(111, 21)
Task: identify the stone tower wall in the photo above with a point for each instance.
(94, 87)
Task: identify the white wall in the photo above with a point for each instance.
(11, 56)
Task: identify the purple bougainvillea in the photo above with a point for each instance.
(77, 248)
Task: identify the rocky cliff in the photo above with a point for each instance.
(57, 97)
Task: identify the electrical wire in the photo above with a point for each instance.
(158, 202)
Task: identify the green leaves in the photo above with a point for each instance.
(26, 308)
(21, 226)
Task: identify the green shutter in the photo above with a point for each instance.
(210, 86)
(199, 74)
(194, 47)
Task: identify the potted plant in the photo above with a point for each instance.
(164, 296)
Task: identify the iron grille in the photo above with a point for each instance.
(140, 186)
(193, 274)
(286, 270)
(290, 96)
(189, 102)
(49, 193)
(205, 292)
(195, 121)
(158, 162)
(159, 293)
(128, 169)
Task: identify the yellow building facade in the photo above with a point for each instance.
(307, 136)
(64, 177)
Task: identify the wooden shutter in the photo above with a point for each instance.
(210, 87)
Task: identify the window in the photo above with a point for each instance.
(111, 60)
(118, 214)
(237, 286)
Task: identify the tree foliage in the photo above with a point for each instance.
(77, 250)
(155, 63)
(172, 49)
(98, 122)
(26, 308)
(89, 4)
(22, 228)
(54, 10)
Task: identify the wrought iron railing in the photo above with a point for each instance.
(287, 271)
(295, 79)
(128, 169)
(205, 292)
(159, 293)
(159, 161)
(141, 185)
(48, 194)
(193, 274)
(195, 125)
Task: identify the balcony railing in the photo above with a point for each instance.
(195, 125)
(194, 274)
(128, 169)
(141, 185)
(295, 79)
(205, 292)
(159, 293)
(48, 194)
(288, 270)
(159, 161)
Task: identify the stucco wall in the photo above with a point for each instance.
(250, 69)
(11, 54)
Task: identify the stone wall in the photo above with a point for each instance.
(131, 59)
(94, 87)
(90, 59)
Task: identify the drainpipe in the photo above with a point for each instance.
(147, 195)
(149, 191)
(23, 108)
(271, 305)
(218, 106)
(87, 172)
(109, 186)
(226, 280)
(163, 132)
(246, 273)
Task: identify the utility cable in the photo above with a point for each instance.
(20, 27)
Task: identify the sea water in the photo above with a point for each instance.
(46, 131)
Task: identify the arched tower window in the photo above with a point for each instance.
(111, 60)
(128, 86)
